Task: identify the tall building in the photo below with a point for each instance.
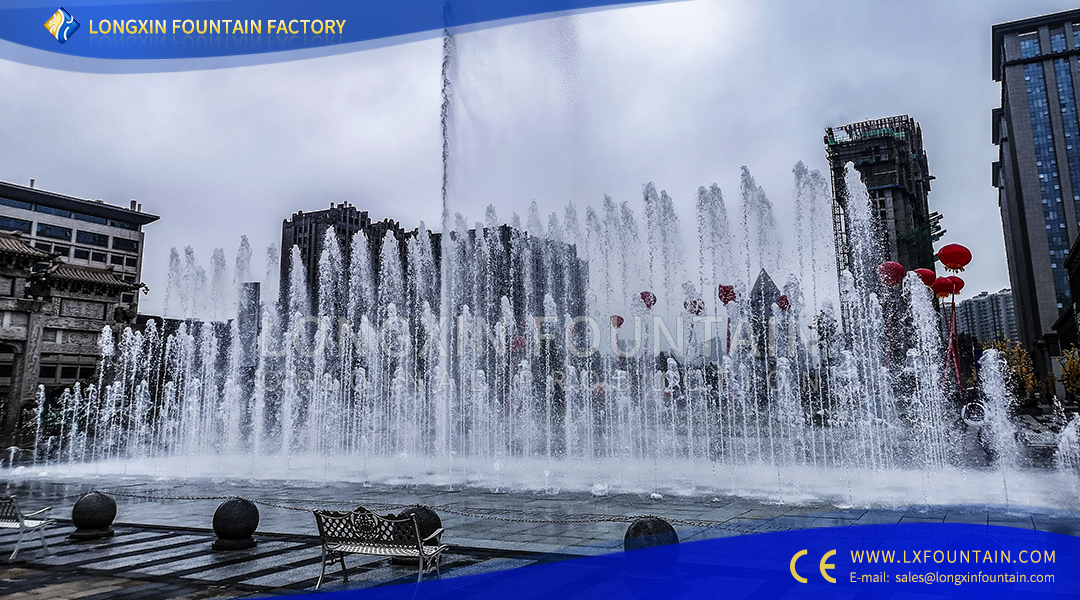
(1038, 169)
(988, 317)
(504, 253)
(307, 231)
(888, 154)
(86, 233)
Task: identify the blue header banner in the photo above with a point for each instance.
(911, 560)
(194, 30)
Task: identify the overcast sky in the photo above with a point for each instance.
(681, 94)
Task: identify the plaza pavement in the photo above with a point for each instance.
(162, 544)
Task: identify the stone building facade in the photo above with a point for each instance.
(51, 317)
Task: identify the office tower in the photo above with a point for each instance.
(1038, 169)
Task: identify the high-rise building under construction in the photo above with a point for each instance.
(888, 154)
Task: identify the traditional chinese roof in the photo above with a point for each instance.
(11, 243)
(89, 275)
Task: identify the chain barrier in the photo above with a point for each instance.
(485, 514)
(585, 518)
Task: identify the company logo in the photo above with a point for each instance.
(61, 25)
(824, 566)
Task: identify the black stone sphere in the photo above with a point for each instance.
(93, 516)
(234, 522)
(94, 511)
(426, 519)
(652, 546)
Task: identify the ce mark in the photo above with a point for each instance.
(823, 566)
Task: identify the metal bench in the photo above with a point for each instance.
(363, 532)
(12, 518)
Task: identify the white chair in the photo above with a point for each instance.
(12, 518)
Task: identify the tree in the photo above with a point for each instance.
(1070, 370)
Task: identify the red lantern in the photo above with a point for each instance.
(891, 273)
(955, 257)
(726, 294)
(648, 298)
(616, 321)
(944, 287)
(927, 276)
(694, 307)
(958, 284)
(518, 342)
(783, 303)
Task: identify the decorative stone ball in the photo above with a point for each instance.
(656, 543)
(236, 519)
(94, 511)
(426, 519)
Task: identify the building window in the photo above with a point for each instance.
(54, 232)
(127, 298)
(129, 278)
(16, 204)
(131, 261)
(82, 254)
(126, 245)
(61, 250)
(92, 239)
(6, 370)
(52, 211)
(1057, 42)
(116, 259)
(98, 257)
(90, 218)
(1029, 45)
(1069, 121)
(67, 372)
(1049, 183)
(43, 247)
(9, 224)
(86, 372)
(124, 225)
(47, 372)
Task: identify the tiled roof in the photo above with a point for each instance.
(13, 244)
(88, 275)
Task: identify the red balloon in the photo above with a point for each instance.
(518, 342)
(616, 321)
(694, 307)
(927, 276)
(955, 257)
(783, 303)
(958, 284)
(944, 287)
(891, 273)
(648, 298)
(726, 293)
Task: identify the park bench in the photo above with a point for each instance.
(363, 532)
(12, 518)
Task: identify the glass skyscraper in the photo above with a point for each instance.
(1038, 170)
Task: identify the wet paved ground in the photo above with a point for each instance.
(162, 544)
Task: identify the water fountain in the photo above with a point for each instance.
(550, 356)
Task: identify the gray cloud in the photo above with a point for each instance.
(560, 110)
